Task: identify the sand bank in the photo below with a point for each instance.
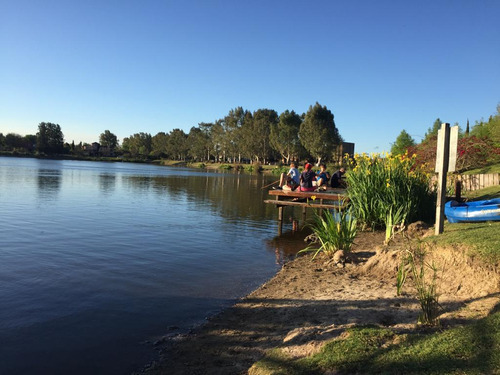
(309, 302)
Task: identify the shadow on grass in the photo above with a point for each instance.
(472, 349)
(233, 341)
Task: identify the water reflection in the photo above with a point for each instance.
(107, 183)
(234, 196)
(286, 246)
(49, 184)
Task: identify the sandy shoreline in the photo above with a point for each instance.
(308, 302)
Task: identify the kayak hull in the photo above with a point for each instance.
(488, 210)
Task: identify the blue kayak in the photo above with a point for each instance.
(457, 212)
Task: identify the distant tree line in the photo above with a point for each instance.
(243, 136)
(240, 136)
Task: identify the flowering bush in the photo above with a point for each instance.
(472, 152)
(386, 191)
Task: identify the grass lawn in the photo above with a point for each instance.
(483, 194)
(495, 168)
(472, 349)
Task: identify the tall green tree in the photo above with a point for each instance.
(177, 144)
(489, 129)
(197, 142)
(318, 133)
(29, 142)
(403, 141)
(284, 135)
(232, 124)
(109, 140)
(207, 130)
(14, 141)
(139, 144)
(433, 131)
(160, 145)
(50, 138)
(217, 138)
(256, 134)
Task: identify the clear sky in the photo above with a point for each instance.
(150, 65)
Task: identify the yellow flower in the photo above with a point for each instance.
(388, 184)
(313, 197)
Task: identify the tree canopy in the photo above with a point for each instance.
(403, 141)
(241, 135)
(284, 135)
(318, 133)
(50, 138)
(108, 139)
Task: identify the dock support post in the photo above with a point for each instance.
(280, 220)
(304, 216)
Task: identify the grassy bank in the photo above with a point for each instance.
(468, 349)
(473, 349)
(251, 168)
(494, 168)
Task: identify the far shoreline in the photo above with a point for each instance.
(211, 165)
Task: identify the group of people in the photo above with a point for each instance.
(308, 180)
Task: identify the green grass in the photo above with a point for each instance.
(494, 168)
(483, 194)
(472, 349)
(482, 240)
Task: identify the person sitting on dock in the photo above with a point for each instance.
(291, 180)
(322, 177)
(337, 181)
(306, 179)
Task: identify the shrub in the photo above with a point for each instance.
(386, 191)
(334, 232)
(426, 289)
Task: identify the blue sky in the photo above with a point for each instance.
(151, 66)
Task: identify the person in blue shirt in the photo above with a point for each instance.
(322, 176)
(290, 181)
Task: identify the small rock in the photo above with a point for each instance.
(339, 257)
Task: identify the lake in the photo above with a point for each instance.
(98, 260)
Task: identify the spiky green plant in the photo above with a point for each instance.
(334, 232)
(426, 289)
(387, 190)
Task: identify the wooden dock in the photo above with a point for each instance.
(330, 199)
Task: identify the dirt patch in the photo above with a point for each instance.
(309, 302)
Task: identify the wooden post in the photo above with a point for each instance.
(458, 190)
(442, 160)
(280, 220)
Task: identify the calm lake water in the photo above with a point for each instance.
(98, 260)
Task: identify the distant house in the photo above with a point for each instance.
(95, 149)
(91, 150)
(341, 151)
(105, 151)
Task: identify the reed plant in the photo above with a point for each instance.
(426, 287)
(388, 190)
(334, 231)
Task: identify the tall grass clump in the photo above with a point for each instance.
(413, 261)
(387, 190)
(334, 232)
